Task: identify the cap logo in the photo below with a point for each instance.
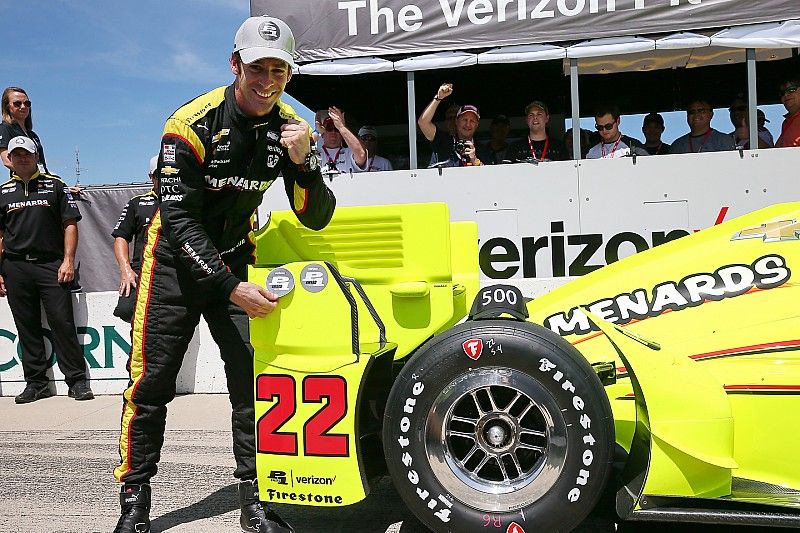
(269, 31)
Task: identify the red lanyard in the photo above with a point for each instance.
(544, 150)
(613, 149)
(336, 158)
(705, 138)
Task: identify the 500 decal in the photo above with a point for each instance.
(316, 439)
(767, 272)
(559, 246)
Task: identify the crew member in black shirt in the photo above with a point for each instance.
(132, 225)
(38, 227)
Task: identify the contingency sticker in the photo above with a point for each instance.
(314, 277)
(280, 281)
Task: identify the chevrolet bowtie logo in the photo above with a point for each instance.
(784, 230)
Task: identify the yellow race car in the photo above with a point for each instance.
(671, 377)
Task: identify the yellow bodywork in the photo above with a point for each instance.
(418, 270)
(722, 389)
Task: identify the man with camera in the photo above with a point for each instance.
(458, 150)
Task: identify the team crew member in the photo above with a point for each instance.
(219, 153)
(132, 225)
(38, 238)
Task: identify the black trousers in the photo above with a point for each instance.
(30, 284)
(169, 305)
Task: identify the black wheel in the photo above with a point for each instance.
(498, 426)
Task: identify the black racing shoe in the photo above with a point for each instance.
(33, 392)
(80, 391)
(256, 516)
(135, 503)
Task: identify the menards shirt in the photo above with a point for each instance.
(214, 166)
(32, 215)
(133, 223)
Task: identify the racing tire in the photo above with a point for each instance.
(500, 426)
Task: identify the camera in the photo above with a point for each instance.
(461, 147)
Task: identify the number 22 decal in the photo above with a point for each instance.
(330, 390)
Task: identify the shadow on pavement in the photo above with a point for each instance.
(217, 503)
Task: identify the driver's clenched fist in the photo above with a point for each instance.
(295, 136)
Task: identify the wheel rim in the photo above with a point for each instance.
(496, 439)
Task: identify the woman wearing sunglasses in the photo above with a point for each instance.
(17, 121)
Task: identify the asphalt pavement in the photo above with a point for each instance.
(57, 457)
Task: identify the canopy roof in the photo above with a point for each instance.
(772, 41)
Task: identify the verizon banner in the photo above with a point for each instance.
(333, 29)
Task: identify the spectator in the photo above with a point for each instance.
(612, 143)
(740, 118)
(498, 145)
(538, 144)
(132, 225)
(17, 121)
(453, 150)
(38, 239)
(450, 119)
(586, 142)
(763, 132)
(337, 156)
(790, 98)
(369, 138)
(701, 137)
(653, 128)
(198, 265)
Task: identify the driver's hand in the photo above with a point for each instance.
(256, 301)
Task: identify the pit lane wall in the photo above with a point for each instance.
(539, 226)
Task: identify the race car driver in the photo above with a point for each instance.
(219, 153)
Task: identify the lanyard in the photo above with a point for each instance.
(706, 135)
(544, 150)
(335, 158)
(613, 149)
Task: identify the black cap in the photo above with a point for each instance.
(501, 119)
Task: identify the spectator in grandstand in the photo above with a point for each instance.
(586, 142)
(790, 98)
(17, 121)
(132, 225)
(538, 144)
(763, 132)
(335, 155)
(369, 138)
(653, 128)
(498, 145)
(613, 143)
(740, 118)
(701, 137)
(453, 150)
(450, 119)
(38, 238)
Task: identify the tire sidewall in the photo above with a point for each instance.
(540, 354)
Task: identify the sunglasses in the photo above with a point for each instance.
(367, 138)
(789, 89)
(607, 127)
(21, 103)
(739, 108)
(330, 127)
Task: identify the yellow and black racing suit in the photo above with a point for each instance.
(214, 165)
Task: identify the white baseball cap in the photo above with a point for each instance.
(260, 37)
(153, 164)
(20, 141)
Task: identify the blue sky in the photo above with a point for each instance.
(103, 76)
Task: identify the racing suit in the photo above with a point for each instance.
(214, 165)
